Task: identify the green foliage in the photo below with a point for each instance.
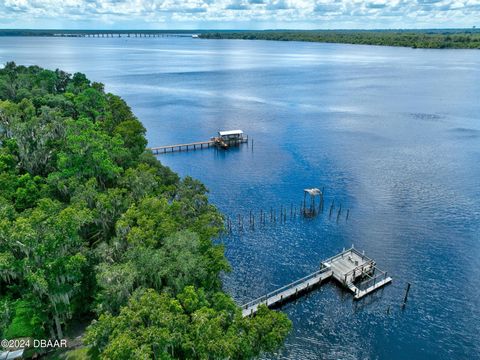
(433, 39)
(49, 256)
(117, 282)
(75, 354)
(6, 314)
(86, 153)
(188, 326)
(90, 103)
(90, 220)
(27, 321)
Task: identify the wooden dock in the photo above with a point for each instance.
(199, 145)
(351, 268)
(182, 147)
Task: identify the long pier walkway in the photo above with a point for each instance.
(351, 269)
(199, 145)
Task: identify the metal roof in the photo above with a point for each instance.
(230, 132)
(313, 191)
(11, 355)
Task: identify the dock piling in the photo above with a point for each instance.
(407, 290)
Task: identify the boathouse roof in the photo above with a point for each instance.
(230, 132)
(313, 191)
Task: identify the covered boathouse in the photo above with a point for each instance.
(231, 135)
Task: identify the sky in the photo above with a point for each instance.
(238, 14)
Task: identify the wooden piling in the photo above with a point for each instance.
(304, 201)
(407, 290)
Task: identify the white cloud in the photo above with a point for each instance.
(239, 13)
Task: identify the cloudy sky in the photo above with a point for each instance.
(238, 14)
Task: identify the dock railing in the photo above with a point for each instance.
(360, 270)
(264, 298)
(241, 140)
(372, 280)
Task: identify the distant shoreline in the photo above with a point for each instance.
(413, 38)
(424, 39)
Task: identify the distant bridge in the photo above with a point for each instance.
(113, 33)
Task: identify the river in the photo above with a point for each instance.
(392, 134)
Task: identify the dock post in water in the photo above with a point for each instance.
(407, 290)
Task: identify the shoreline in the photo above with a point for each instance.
(438, 39)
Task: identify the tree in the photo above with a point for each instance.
(27, 321)
(49, 256)
(86, 153)
(92, 225)
(158, 326)
(90, 103)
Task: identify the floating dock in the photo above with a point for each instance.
(224, 140)
(351, 269)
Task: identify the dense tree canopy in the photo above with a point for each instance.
(430, 39)
(191, 325)
(92, 226)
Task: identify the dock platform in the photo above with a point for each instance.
(351, 269)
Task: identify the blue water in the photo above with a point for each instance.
(391, 133)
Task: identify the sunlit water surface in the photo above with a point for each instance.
(391, 133)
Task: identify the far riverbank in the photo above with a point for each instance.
(427, 39)
(412, 38)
